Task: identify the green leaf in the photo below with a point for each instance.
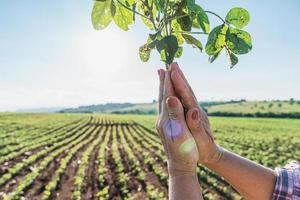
(212, 58)
(200, 14)
(144, 52)
(216, 40)
(153, 40)
(177, 29)
(238, 41)
(190, 4)
(130, 2)
(167, 47)
(202, 19)
(123, 17)
(179, 52)
(195, 23)
(193, 41)
(185, 22)
(112, 8)
(239, 17)
(233, 59)
(160, 4)
(134, 8)
(101, 14)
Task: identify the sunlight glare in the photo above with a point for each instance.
(105, 52)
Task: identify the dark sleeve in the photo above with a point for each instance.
(288, 182)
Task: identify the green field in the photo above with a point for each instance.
(252, 107)
(90, 156)
(241, 108)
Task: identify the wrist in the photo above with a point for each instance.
(216, 157)
(176, 169)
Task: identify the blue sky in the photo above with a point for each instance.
(50, 56)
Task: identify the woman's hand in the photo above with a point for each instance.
(196, 118)
(250, 179)
(177, 140)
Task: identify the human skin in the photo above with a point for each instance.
(251, 180)
(179, 145)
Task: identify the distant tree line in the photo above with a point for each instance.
(256, 114)
(137, 112)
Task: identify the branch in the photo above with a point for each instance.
(134, 11)
(165, 16)
(178, 17)
(187, 32)
(210, 12)
(151, 19)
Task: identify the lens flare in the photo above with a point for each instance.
(172, 128)
(187, 146)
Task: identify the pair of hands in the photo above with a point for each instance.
(183, 126)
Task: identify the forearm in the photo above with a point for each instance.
(251, 180)
(184, 187)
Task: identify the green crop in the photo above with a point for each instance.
(175, 22)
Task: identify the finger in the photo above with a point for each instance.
(168, 87)
(198, 123)
(175, 108)
(175, 125)
(175, 67)
(161, 74)
(183, 90)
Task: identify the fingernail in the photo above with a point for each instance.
(195, 115)
(172, 102)
(173, 64)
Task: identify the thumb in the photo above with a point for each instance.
(193, 121)
(175, 108)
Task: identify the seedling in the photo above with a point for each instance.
(175, 22)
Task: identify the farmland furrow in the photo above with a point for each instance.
(18, 131)
(86, 161)
(37, 146)
(101, 171)
(28, 145)
(113, 191)
(90, 185)
(147, 178)
(135, 187)
(218, 189)
(68, 170)
(156, 163)
(30, 178)
(8, 142)
(14, 170)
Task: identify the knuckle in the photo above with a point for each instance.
(197, 126)
(172, 114)
(159, 126)
(159, 129)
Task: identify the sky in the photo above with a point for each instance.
(50, 56)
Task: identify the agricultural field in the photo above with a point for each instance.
(89, 156)
(288, 109)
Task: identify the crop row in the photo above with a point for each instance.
(73, 144)
(33, 158)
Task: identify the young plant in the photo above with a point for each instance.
(175, 22)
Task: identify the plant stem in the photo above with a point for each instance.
(134, 11)
(178, 17)
(165, 16)
(210, 12)
(166, 27)
(150, 8)
(195, 32)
